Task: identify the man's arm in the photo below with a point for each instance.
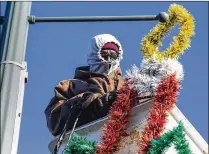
(59, 107)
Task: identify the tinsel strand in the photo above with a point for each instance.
(114, 129)
(176, 137)
(80, 145)
(164, 99)
(177, 15)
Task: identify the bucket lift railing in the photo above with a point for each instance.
(137, 121)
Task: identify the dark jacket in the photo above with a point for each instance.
(88, 88)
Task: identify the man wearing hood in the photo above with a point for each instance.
(93, 88)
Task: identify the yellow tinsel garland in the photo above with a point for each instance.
(177, 15)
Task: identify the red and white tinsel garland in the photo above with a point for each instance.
(164, 99)
(160, 79)
(115, 128)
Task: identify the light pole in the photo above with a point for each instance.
(13, 73)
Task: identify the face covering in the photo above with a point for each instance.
(97, 63)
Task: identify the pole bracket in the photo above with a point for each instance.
(162, 17)
(22, 66)
(32, 19)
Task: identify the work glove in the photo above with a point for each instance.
(109, 98)
(112, 96)
(105, 100)
(76, 106)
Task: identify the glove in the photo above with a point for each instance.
(112, 96)
(77, 105)
(106, 100)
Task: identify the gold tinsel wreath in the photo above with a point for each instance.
(177, 15)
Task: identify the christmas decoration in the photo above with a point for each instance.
(164, 99)
(147, 78)
(80, 145)
(159, 76)
(177, 15)
(114, 129)
(176, 137)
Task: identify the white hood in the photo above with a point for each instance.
(96, 62)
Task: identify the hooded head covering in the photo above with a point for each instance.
(96, 62)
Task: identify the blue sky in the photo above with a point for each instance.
(54, 50)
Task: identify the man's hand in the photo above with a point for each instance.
(77, 105)
(107, 98)
(112, 96)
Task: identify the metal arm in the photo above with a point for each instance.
(162, 17)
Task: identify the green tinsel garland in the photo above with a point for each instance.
(175, 136)
(80, 145)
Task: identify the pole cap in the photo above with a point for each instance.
(163, 17)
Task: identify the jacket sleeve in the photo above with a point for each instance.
(57, 111)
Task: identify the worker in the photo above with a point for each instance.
(93, 88)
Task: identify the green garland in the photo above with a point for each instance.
(80, 145)
(175, 136)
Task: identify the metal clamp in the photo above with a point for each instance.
(22, 66)
(15, 63)
(32, 19)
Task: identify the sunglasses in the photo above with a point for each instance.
(110, 56)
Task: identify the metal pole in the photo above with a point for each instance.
(0, 24)
(1, 17)
(13, 73)
(1, 20)
(162, 17)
